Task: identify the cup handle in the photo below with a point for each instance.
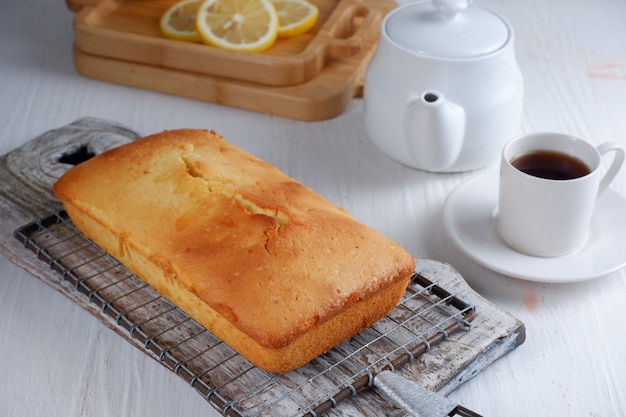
(618, 161)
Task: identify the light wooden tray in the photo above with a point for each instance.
(128, 30)
(308, 77)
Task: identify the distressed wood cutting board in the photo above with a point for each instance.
(308, 77)
(26, 176)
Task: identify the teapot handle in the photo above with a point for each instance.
(434, 129)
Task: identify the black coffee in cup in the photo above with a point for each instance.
(551, 165)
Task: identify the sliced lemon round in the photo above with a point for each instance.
(295, 17)
(179, 21)
(243, 25)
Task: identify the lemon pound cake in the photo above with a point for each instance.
(274, 270)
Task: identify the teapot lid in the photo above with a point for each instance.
(447, 29)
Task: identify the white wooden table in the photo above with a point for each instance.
(58, 360)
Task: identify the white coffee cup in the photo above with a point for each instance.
(551, 217)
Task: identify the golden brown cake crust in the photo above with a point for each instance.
(236, 243)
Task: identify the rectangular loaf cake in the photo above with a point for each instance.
(271, 268)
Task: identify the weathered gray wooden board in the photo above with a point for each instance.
(26, 177)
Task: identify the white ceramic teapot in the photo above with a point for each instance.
(443, 92)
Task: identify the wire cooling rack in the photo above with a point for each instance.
(426, 316)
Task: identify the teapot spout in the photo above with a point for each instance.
(434, 129)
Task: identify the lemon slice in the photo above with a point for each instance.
(243, 25)
(179, 21)
(295, 17)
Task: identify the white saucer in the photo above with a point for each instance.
(469, 221)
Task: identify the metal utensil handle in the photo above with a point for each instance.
(417, 400)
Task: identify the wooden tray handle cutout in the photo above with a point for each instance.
(352, 26)
(76, 5)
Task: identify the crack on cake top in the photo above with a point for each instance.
(221, 187)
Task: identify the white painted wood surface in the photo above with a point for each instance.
(57, 360)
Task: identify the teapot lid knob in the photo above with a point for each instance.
(450, 7)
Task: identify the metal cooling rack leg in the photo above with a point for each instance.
(416, 399)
